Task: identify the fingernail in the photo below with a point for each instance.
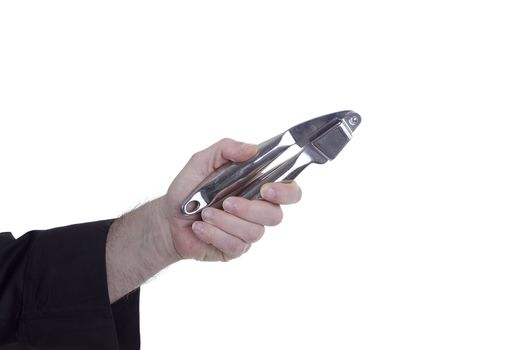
(198, 227)
(207, 214)
(228, 204)
(268, 192)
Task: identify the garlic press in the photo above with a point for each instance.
(281, 158)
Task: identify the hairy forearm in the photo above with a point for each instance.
(138, 246)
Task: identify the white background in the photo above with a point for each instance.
(413, 238)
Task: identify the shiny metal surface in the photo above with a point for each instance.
(314, 141)
(319, 151)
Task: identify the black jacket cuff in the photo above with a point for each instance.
(64, 301)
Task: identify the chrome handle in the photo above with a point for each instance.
(232, 176)
(287, 171)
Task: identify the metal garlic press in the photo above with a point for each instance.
(281, 158)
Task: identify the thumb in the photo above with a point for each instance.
(221, 152)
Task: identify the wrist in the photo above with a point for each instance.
(162, 230)
(138, 246)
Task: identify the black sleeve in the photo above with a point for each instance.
(54, 292)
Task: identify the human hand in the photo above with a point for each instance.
(222, 234)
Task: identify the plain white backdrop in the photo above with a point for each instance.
(413, 238)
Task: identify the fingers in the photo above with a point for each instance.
(248, 232)
(230, 245)
(256, 211)
(229, 233)
(242, 222)
(281, 192)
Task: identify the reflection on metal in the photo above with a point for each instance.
(281, 158)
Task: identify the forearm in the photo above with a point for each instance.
(138, 246)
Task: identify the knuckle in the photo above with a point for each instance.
(226, 141)
(196, 156)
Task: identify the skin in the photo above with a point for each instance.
(156, 235)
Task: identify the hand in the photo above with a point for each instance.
(222, 234)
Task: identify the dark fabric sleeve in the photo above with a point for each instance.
(54, 295)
